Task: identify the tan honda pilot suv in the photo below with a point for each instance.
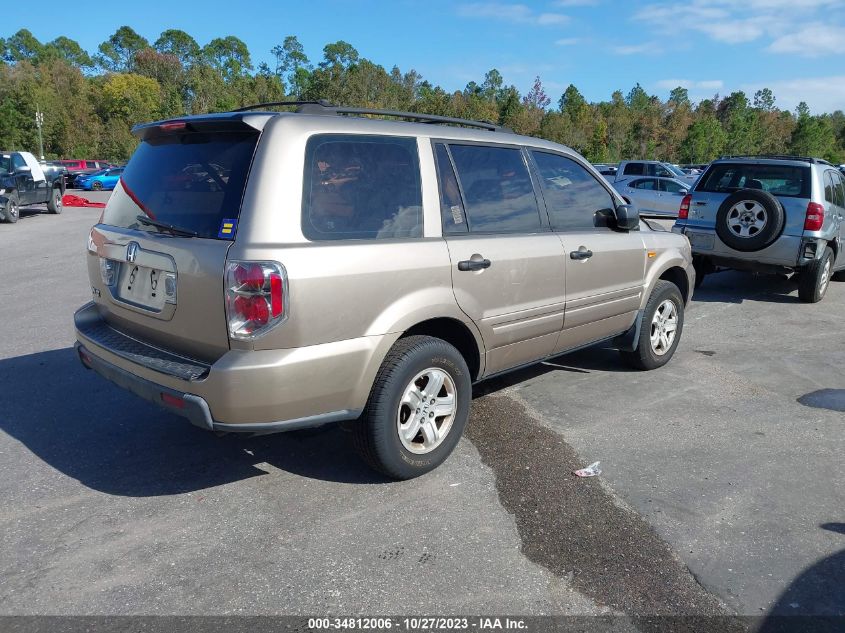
(262, 271)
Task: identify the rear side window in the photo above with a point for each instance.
(192, 180)
(648, 184)
(361, 187)
(634, 169)
(791, 181)
(497, 188)
(575, 199)
(828, 186)
(838, 190)
(451, 207)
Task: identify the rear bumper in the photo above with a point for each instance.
(249, 391)
(787, 251)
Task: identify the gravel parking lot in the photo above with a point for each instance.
(723, 486)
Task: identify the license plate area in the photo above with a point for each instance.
(145, 287)
(701, 241)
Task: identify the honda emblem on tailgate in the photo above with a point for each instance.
(131, 251)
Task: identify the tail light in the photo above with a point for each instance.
(683, 212)
(256, 297)
(815, 217)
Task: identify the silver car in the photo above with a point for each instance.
(775, 214)
(264, 271)
(653, 196)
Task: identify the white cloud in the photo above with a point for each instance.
(647, 48)
(813, 40)
(567, 41)
(735, 22)
(822, 94)
(510, 13)
(552, 18)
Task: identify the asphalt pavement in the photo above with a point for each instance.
(722, 485)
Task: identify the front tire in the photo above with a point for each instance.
(12, 211)
(417, 410)
(815, 278)
(54, 204)
(660, 332)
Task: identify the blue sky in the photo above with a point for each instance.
(794, 47)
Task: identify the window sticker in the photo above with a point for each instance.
(227, 228)
(457, 216)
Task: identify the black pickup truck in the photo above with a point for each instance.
(23, 181)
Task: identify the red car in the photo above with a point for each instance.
(76, 167)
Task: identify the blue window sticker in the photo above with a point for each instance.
(227, 228)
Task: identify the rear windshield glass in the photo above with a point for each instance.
(779, 180)
(193, 181)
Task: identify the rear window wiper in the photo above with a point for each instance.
(164, 226)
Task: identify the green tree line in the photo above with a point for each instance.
(90, 101)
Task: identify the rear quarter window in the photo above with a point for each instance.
(361, 187)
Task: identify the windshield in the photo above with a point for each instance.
(676, 170)
(781, 180)
(194, 181)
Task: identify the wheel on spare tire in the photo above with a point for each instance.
(660, 330)
(815, 278)
(54, 204)
(417, 409)
(749, 220)
(12, 211)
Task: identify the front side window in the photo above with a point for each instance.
(361, 187)
(575, 199)
(671, 186)
(498, 193)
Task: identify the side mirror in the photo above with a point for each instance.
(23, 169)
(627, 217)
(683, 192)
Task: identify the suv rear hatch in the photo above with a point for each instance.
(790, 184)
(158, 254)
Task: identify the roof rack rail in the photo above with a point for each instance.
(268, 104)
(322, 106)
(805, 159)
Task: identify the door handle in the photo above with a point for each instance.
(585, 254)
(473, 264)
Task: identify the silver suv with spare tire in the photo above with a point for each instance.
(769, 214)
(265, 271)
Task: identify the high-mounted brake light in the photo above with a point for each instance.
(683, 212)
(815, 217)
(256, 297)
(172, 125)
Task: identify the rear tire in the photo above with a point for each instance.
(54, 204)
(815, 278)
(97, 185)
(660, 332)
(399, 432)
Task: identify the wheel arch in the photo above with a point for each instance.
(678, 276)
(456, 333)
